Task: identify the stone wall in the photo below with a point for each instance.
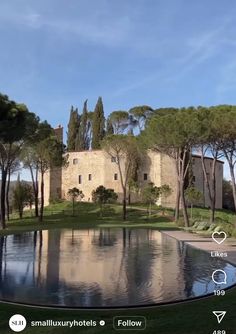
(89, 169)
(200, 183)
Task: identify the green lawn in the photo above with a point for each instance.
(186, 318)
(88, 215)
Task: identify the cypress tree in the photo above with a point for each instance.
(73, 128)
(98, 124)
(83, 141)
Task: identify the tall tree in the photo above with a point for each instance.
(16, 125)
(126, 151)
(174, 134)
(14, 168)
(73, 129)
(49, 152)
(82, 139)
(98, 125)
(30, 160)
(148, 140)
(90, 129)
(226, 121)
(208, 138)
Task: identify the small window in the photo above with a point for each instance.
(90, 177)
(115, 176)
(80, 179)
(194, 178)
(113, 159)
(75, 161)
(145, 176)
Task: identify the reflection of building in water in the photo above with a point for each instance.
(106, 267)
(120, 267)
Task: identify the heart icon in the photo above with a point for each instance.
(219, 237)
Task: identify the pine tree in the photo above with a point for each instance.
(83, 141)
(109, 128)
(98, 124)
(73, 129)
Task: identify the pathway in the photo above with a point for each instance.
(206, 244)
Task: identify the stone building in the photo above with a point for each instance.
(87, 170)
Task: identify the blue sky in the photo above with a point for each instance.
(58, 53)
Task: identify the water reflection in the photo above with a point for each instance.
(103, 267)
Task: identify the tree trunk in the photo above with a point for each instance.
(213, 192)
(2, 238)
(177, 202)
(7, 195)
(42, 198)
(101, 214)
(232, 175)
(212, 218)
(150, 210)
(36, 194)
(36, 204)
(36, 190)
(182, 165)
(73, 207)
(129, 198)
(184, 207)
(3, 197)
(124, 203)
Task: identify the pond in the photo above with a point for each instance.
(104, 268)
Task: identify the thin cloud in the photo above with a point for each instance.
(196, 50)
(110, 31)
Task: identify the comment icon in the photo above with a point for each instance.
(219, 276)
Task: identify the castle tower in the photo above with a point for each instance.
(59, 133)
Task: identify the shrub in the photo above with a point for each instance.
(102, 195)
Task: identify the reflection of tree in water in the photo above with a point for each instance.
(74, 241)
(2, 239)
(14, 282)
(137, 261)
(81, 294)
(40, 241)
(35, 276)
(105, 238)
(198, 267)
(23, 239)
(167, 246)
(53, 262)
